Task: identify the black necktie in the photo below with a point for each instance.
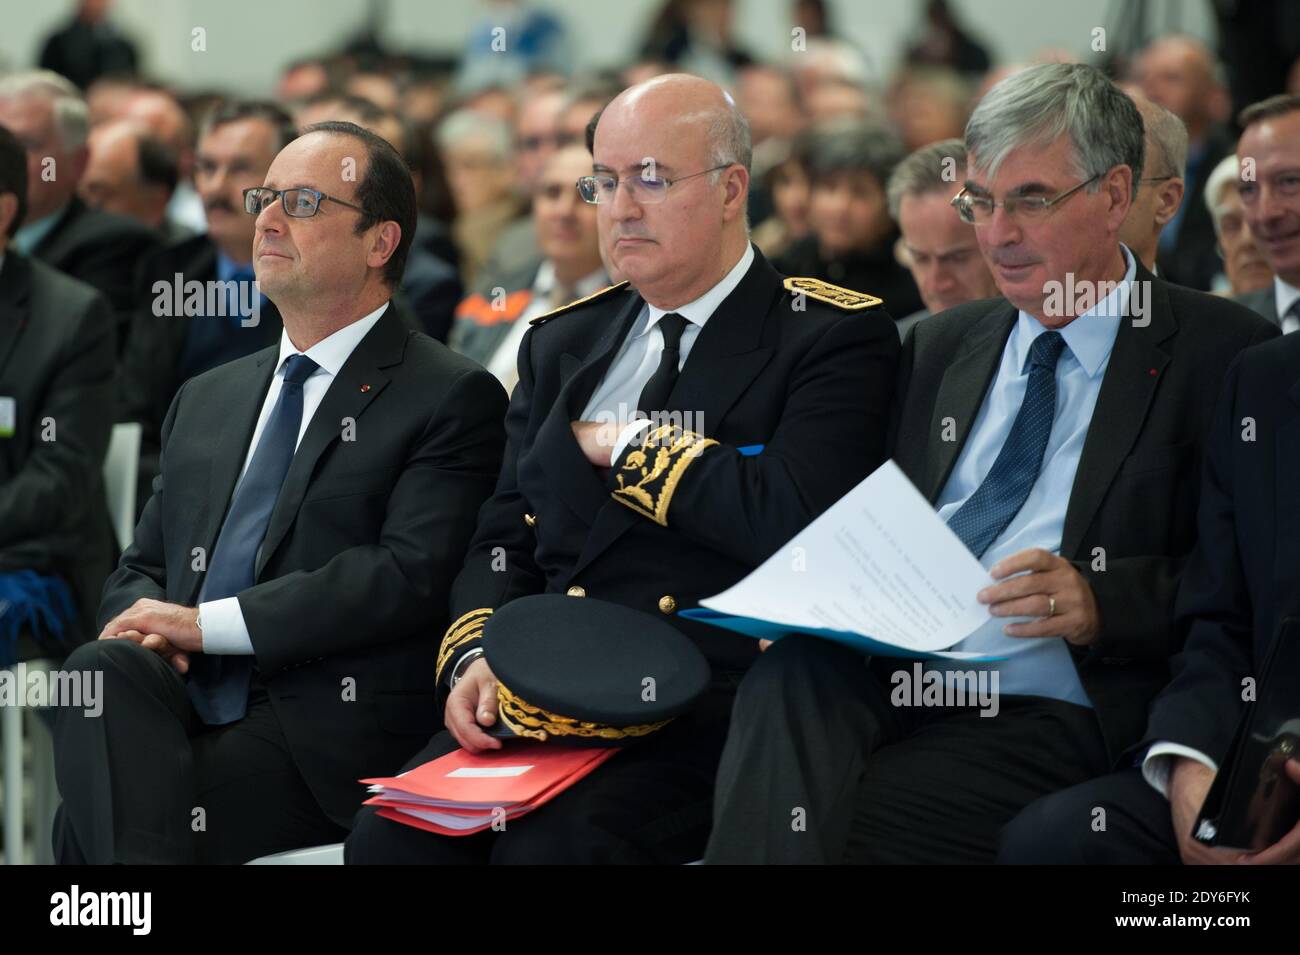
(656, 391)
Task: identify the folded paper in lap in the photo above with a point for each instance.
(879, 571)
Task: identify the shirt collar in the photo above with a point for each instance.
(1284, 296)
(331, 353)
(1091, 336)
(698, 311)
(29, 236)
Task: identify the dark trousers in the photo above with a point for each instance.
(650, 803)
(147, 782)
(1119, 819)
(820, 767)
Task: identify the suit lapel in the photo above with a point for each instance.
(1137, 361)
(235, 417)
(575, 479)
(1286, 478)
(724, 360)
(962, 391)
(382, 347)
(15, 284)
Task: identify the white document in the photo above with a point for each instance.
(878, 570)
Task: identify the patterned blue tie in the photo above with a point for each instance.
(990, 509)
(219, 683)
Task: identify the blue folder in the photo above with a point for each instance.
(767, 630)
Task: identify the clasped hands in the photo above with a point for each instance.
(170, 630)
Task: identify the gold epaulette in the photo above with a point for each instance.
(547, 316)
(466, 628)
(842, 298)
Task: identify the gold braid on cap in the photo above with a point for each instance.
(649, 474)
(524, 719)
(466, 628)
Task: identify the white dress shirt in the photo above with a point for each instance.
(222, 620)
(1284, 296)
(616, 397)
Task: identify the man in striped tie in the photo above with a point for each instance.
(1058, 431)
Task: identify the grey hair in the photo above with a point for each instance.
(1168, 134)
(467, 124)
(1039, 104)
(1223, 176)
(71, 117)
(926, 170)
(729, 140)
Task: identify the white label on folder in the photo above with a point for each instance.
(8, 417)
(481, 772)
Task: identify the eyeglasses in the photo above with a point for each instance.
(300, 203)
(645, 190)
(978, 210)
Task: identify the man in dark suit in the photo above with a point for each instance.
(168, 345)
(1179, 73)
(1242, 581)
(56, 412)
(48, 115)
(776, 405)
(1270, 138)
(1057, 433)
(294, 562)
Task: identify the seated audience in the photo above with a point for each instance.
(1245, 269)
(1160, 190)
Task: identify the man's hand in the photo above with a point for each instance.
(176, 624)
(179, 659)
(473, 703)
(1286, 851)
(597, 440)
(1189, 783)
(1050, 584)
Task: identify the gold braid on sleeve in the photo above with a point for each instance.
(648, 475)
(466, 628)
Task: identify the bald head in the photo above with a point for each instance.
(128, 172)
(679, 151)
(1181, 74)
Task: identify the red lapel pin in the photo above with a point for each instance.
(365, 388)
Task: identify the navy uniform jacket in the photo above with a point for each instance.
(807, 380)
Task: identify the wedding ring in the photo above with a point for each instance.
(1051, 606)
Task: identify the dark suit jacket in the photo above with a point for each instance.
(56, 362)
(812, 386)
(1194, 259)
(1136, 488)
(1262, 302)
(364, 542)
(103, 250)
(1244, 576)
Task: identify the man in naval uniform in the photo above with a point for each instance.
(763, 401)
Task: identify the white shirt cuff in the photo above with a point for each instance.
(630, 433)
(1159, 763)
(224, 630)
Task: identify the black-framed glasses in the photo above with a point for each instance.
(978, 210)
(645, 190)
(301, 203)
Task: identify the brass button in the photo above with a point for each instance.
(667, 604)
(530, 520)
(576, 591)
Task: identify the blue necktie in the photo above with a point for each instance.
(219, 683)
(995, 502)
(242, 277)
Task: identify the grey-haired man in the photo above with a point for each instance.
(1058, 432)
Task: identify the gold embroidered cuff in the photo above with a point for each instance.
(524, 719)
(466, 628)
(648, 475)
